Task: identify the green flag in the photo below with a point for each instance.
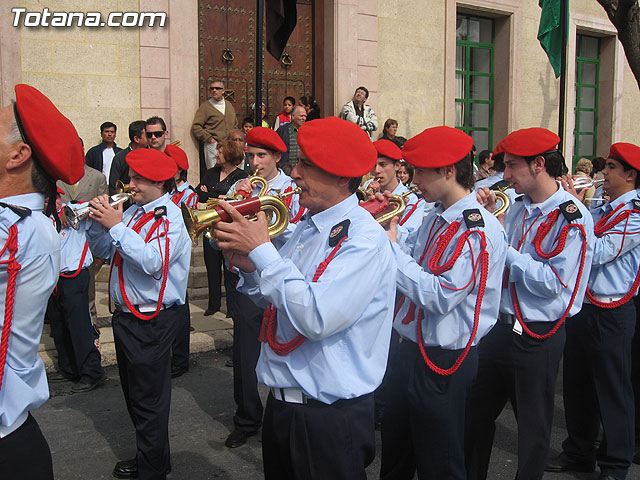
(550, 31)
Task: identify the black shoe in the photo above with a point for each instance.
(126, 469)
(562, 463)
(59, 377)
(238, 437)
(636, 457)
(228, 363)
(129, 469)
(178, 371)
(81, 387)
(209, 311)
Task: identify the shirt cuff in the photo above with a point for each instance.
(264, 255)
(117, 231)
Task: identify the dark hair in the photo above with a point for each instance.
(291, 99)
(40, 180)
(314, 109)
(108, 125)
(626, 167)
(598, 164)
(183, 175)
(233, 153)
(354, 184)
(409, 169)
(388, 122)
(464, 171)
(169, 185)
(248, 120)
(136, 128)
(483, 156)
(365, 91)
(498, 162)
(241, 132)
(155, 120)
(553, 162)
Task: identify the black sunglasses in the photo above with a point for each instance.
(216, 88)
(155, 134)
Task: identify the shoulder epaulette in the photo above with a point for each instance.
(338, 232)
(159, 212)
(500, 185)
(22, 212)
(473, 218)
(570, 211)
(520, 198)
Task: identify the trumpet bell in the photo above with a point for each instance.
(198, 222)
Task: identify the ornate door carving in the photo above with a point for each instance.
(227, 32)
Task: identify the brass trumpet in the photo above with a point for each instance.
(384, 210)
(505, 201)
(241, 194)
(201, 221)
(74, 216)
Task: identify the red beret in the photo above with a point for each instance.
(337, 146)
(528, 142)
(52, 137)
(437, 147)
(386, 148)
(627, 152)
(178, 155)
(152, 164)
(498, 150)
(263, 137)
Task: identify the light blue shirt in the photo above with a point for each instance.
(143, 262)
(616, 258)
(24, 386)
(346, 315)
(186, 195)
(544, 296)
(448, 307)
(72, 244)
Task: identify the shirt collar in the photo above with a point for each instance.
(549, 204)
(158, 202)
(335, 214)
(625, 198)
(183, 187)
(32, 201)
(454, 212)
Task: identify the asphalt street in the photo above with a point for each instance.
(89, 432)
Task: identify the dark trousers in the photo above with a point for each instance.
(247, 319)
(73, 331)
(25, 454)
(635, 370)
(423, 422)
(318, 441)
(597, 387)
(523, 370)
(213, 261)
(180, 349)
(143, 349)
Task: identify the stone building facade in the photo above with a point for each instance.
(475, 64)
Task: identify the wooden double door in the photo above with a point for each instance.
(227, 51)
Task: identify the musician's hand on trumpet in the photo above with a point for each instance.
(101, 211)
(240, 236)
(486, 197)
(567, 182)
